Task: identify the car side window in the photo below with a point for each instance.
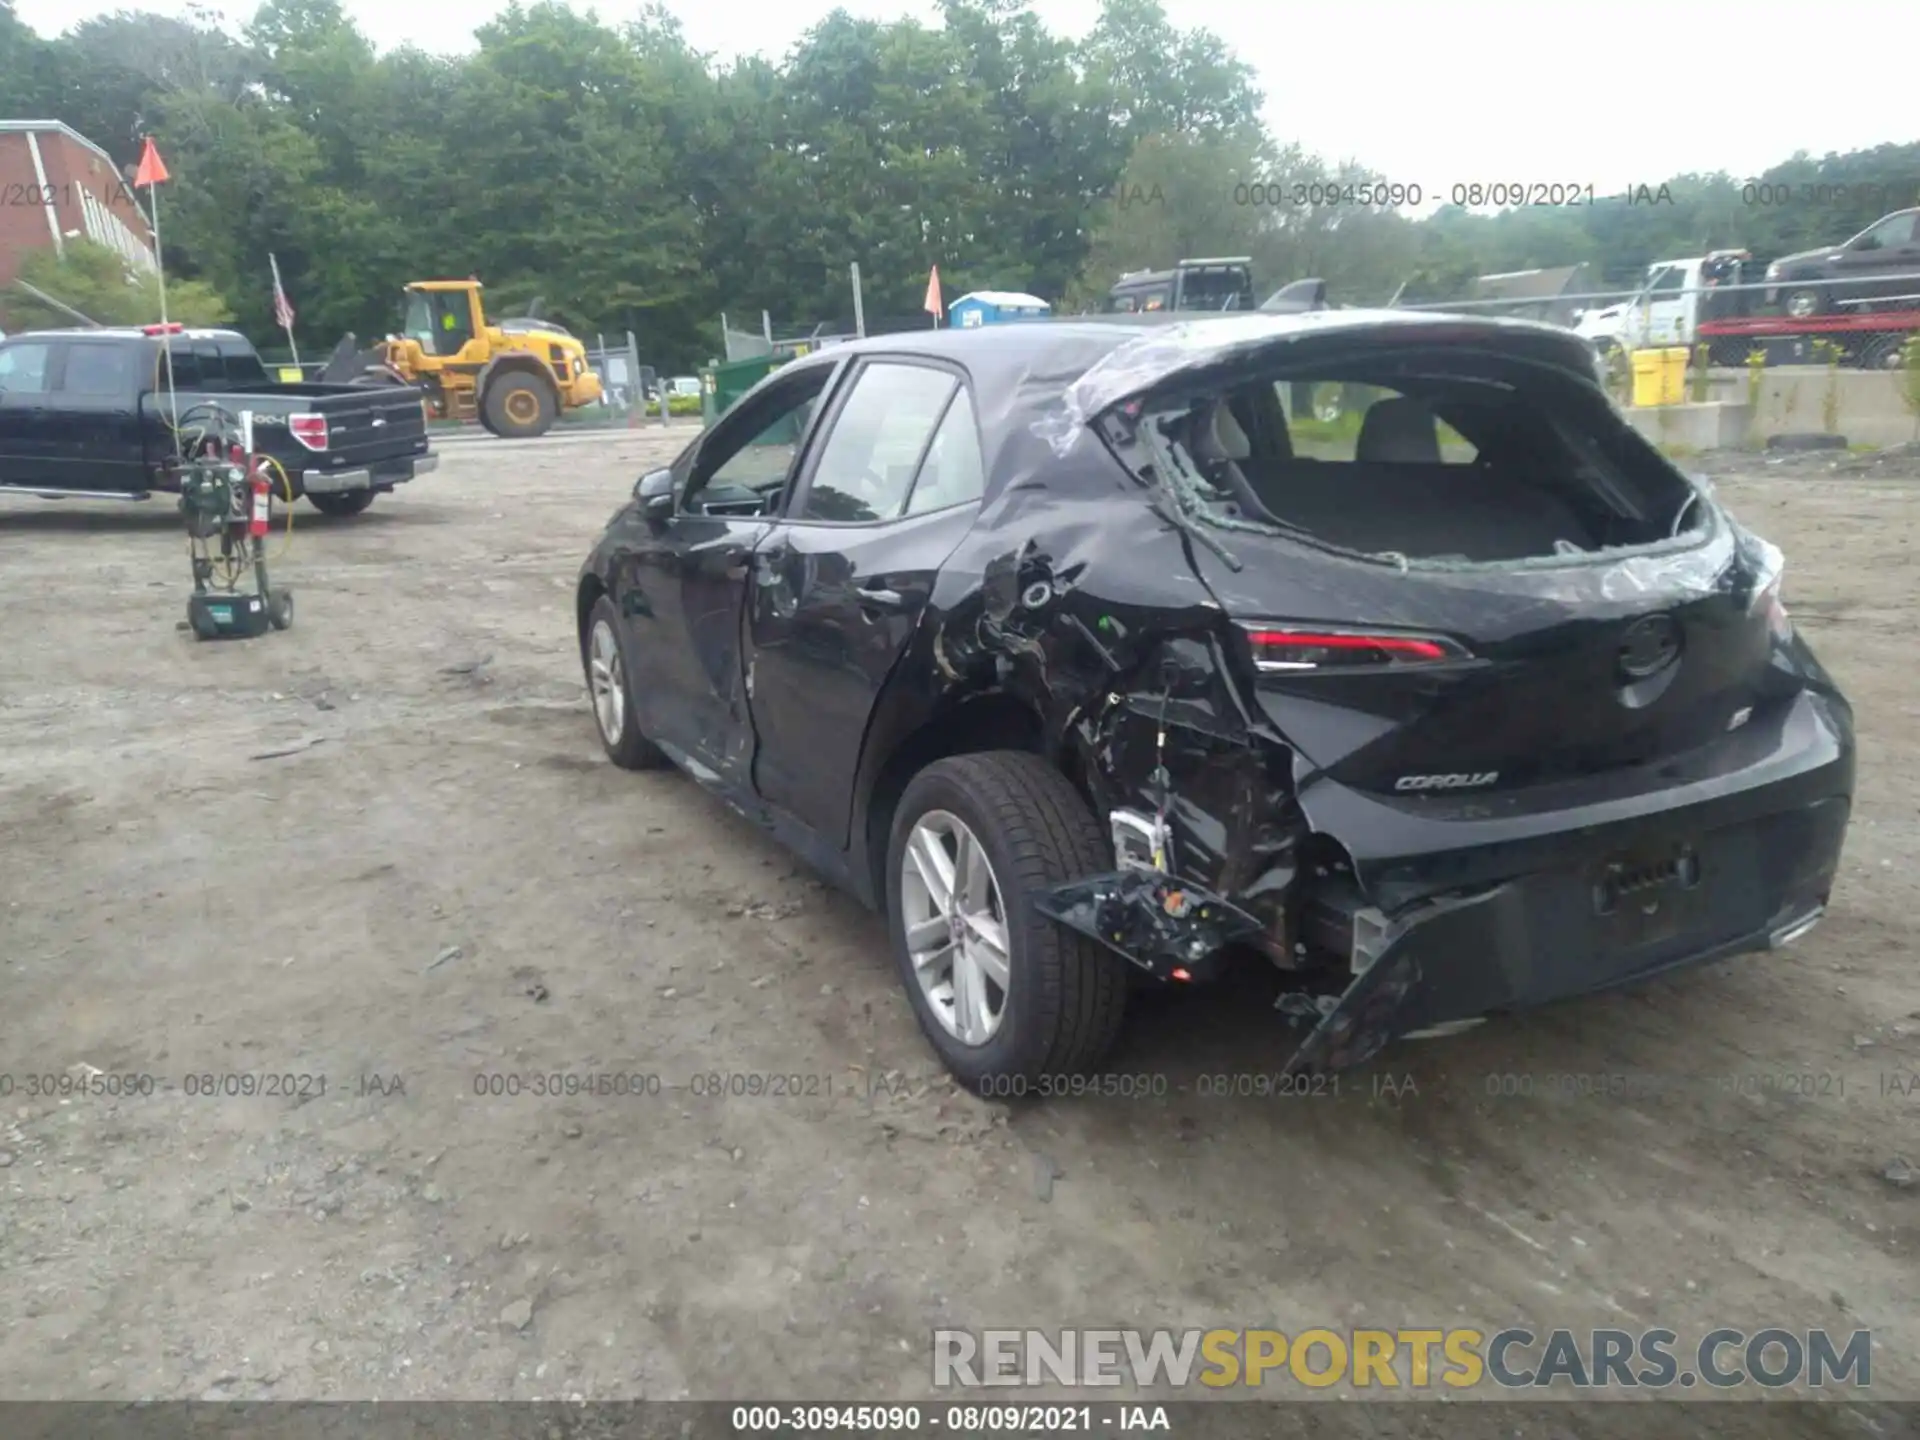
(867, 468)
(953, 472)
(742, 466)
(213, 365)
(242, 364)
(23, 368)
(99, 370)
(1892, 232)
(186, 368)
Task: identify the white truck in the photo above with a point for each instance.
(1669, 306)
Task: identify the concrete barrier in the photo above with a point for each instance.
(1865, 407)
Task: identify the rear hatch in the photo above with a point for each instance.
(1453, 569)
(1441, 688)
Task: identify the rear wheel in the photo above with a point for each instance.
(610, 685)
(1002, 992)
(342, 503)
(519, 406)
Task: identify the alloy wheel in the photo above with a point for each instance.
(955, 924)
(608, 680)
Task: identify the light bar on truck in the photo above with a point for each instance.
(171, 328)
(1279, 647)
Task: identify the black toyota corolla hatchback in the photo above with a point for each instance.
(1093, 654)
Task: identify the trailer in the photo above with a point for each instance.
(1707, 300)
(1871, 340)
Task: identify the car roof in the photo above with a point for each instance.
(1047, 378)
(1060, 342)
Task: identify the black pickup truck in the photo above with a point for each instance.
(87, 414)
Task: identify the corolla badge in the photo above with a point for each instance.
(1446, 782)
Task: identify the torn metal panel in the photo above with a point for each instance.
(1606, 907)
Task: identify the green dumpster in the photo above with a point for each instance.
(723, 383)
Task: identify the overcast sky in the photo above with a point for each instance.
(1430, 95)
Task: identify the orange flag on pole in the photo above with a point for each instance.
(152, 171)
(932, 303)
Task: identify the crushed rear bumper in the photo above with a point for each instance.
(1722, 862)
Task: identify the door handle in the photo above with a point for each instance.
(877, 596)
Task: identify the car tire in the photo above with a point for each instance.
(603, 655)
(519, 407)
(342, 503)
(1803, 302)
(1064, 996)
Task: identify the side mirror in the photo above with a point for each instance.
(653, 493)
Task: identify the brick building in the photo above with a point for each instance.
(56, 185)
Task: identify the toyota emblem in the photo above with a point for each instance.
(1649, 646)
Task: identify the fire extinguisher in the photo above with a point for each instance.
(262, 503)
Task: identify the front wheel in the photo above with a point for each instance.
(610, 684)
(1005, 995)
(342, 503)
(519, 407)
(1803, 302)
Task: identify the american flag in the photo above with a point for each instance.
(282, 309)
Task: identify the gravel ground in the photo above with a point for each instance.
(382, 854)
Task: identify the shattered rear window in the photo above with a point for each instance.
(1422, 465)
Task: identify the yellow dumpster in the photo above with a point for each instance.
(1673, 375)
(1649, 376)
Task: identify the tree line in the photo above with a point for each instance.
(634, 183)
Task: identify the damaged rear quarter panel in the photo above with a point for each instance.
(1073, 600)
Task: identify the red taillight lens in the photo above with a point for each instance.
(1277, 648)
(309, 430)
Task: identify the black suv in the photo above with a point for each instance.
(1071, 650)
(1876, 268)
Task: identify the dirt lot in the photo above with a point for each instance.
(173, 906)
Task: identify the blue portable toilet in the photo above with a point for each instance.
(995, 307)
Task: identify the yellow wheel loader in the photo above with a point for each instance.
(515, 377)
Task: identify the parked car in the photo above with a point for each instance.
(1872, 270)
(88, 414)
(1067, 648)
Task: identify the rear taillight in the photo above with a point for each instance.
(1286, 647)
(309, 430)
